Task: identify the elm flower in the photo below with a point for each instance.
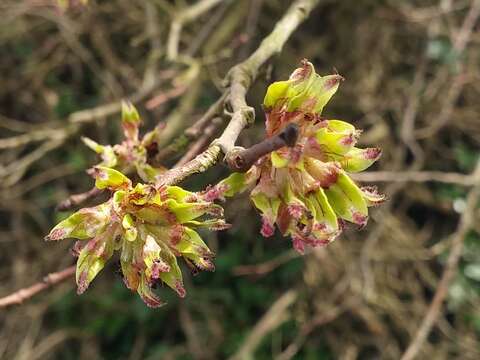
(306, 190)
(130, 153)
(149, 226)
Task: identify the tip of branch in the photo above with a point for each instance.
(290, 135)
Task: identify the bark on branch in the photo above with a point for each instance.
(51, 279)
(238, 82)
(240, 159)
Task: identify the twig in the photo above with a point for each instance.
(165, 96)
(191, 133)
(239, 81)
(242, 159)
(267, 266)
(168, 129)
(77, 199)
(214, 110)
(273, 318)
(416, 176)
(254, 11)
(37, 180)
(51, 279)
(459, 44)
(191, 333)
(102, 111)
(318, 320)
(36, 135)
(181, 18)
(12, 173)
(464, 226)
(241, 76)
(211, 26)
(201, 143)
(199, 164)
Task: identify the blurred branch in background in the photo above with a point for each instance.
(52, 279)
(276, 315)
(464, 226)
(416, 176)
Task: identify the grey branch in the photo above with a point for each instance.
(238, 82)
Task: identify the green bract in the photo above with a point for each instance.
(306, 190)
(150, 227)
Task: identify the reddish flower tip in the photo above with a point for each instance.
(373, 153)
(267, 228)
(359, 219)
(82, 284)
(295, 211)
(152, 302)
(333, 81)
(215, 192)
(180, 289)
(298, 245)
(159, 267)
(56, 234)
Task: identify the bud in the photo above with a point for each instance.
(305, 190)
(151, 227)
(131, 152)
(65, 4)
(130, 121)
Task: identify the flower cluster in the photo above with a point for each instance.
(149, 226)
(306, 190)
(132, 152)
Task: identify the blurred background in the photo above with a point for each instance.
(412, 84)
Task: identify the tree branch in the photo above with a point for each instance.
(77, 199)
(180, 18)
(276, 315)
(239, 80)
(51, 279)
(241, 76)
(240, 159)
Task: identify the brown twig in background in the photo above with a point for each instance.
(78, 199)
(201, 143)
(464, 226)
(415, 176)
(191, 133)
(320, 319)
(51, 279)
(267, 266)
(165, 96)
(460, 42)
(182, 17)
(276, 315)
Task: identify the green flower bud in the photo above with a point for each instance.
(151, 227)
